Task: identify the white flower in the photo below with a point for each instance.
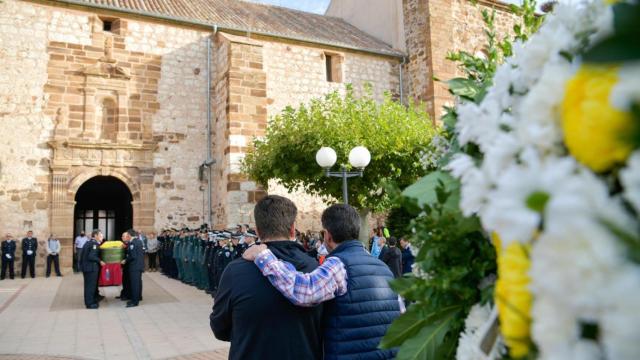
(469, 342)
(510, 209)
(618, 325)
(630, 179)
(477, 317)
(538, 125)
(575, 262)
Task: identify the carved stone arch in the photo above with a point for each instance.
(80, 179)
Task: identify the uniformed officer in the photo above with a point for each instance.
(29, 248)
(90, 266)
(222, 258)
(177, 254)
(125, 293)
(8, 256)
(235, 243)
(212, 248)
(203, 279)
(135, 265)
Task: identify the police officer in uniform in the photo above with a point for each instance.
(125, 293)
(90, 265)
(222, 258)
(8, 256)
(135, 265)
(29, 247)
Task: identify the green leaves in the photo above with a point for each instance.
(392, 132)
(624, 44)
(425, 344)
(424, 190)
(537, 201)
(412, 322)
(465, 88)
(455, 256)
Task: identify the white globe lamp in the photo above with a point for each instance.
(326, 157)
(359, 157)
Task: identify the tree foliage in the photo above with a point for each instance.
(393, 133)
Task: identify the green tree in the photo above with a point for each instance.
(392, 132)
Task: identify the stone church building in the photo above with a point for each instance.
(137, 113)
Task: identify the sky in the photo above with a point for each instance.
(314, 6)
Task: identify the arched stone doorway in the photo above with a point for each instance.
(105, 203)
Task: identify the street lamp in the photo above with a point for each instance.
(359, 158)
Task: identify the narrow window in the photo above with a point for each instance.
(106, 25)
(327, 63)
(333, 67)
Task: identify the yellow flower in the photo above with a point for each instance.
(111, 245)
(512, 296)
(593, 129)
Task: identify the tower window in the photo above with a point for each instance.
(106, 25)
(333, 67)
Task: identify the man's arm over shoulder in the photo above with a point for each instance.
(324, 283)
(221, 317)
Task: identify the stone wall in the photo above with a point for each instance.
(179, 125)
(24, 154)
(435, 27)
(46, 56)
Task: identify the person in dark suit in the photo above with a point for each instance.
(29, 248)
(8, 256)
(125, 293)
(392, 256)
(135, 266)
(90, 266)
(407, 256)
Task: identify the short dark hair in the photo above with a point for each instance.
(132, 232)
(342, 222)
(392, 241)
(274, 216)
(95, 232)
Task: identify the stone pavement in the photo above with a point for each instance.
(175, 328)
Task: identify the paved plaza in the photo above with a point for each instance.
(45, 318)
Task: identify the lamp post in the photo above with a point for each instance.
(359, 158)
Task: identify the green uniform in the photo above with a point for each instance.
(177, 255)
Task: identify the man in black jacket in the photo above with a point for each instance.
(29, 248)
(259, 321)
(8, 256)
(135, 267)
(392, 256)
(90, 265)
(125, 293)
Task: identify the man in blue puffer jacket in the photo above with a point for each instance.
(359, 306)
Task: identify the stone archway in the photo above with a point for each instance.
(103, 202)
(66, 182)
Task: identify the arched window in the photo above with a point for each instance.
(107, 119)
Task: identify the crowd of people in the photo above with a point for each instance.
(198, 257)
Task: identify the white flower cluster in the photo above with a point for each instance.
(527, 188)
(468, 344)
(438, 147)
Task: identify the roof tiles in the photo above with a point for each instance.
(258, 18)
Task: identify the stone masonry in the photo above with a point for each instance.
(432, 29)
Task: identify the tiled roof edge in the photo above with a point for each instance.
(391, 53)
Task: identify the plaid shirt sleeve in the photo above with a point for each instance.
(324, 283)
